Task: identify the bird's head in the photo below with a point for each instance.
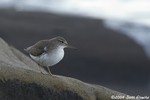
(60, 41)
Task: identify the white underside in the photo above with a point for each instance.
(49, 59)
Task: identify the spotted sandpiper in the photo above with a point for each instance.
(48, 52)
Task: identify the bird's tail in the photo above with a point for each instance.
(25, 49)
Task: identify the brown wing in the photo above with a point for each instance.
(38, 48)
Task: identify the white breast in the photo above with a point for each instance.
(49, 59)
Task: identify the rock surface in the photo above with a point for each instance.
(21, 80)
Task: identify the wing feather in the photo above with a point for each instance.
(38, 48)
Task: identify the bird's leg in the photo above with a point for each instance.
(50, 72)
(40, 69)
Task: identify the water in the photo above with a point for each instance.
(130, 17)
(134, 14)
(139, 33)
(137, 11)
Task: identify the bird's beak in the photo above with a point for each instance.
(70, 46)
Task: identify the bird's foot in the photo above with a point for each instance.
(54, 76)
(43, 73)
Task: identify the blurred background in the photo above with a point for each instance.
(112, 37)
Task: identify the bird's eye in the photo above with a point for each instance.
(61, 41)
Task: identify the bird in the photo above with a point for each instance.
(48, 52)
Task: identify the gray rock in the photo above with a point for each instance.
(20, 79)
